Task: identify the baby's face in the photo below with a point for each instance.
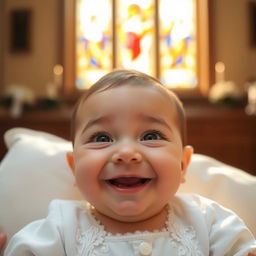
(128, 156)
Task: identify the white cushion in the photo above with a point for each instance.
(229, 186)
(34, 171)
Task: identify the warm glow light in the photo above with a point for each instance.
(58, 69)
(180, 77)
(219, 67)
(58, 75)
(92, 76)
(219, 72)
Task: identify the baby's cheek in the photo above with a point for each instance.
(86, 185)
(87, 177)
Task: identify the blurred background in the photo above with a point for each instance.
(50, 53)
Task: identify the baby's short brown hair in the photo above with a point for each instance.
(123, 77)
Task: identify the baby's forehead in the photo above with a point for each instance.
(158, 96)
(157, 89)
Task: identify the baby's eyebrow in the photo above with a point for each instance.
(108, 119)
(94, 121)
(154, 119)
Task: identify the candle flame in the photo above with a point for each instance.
(219, 67)
(58, 69)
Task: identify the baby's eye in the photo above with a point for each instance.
(153, 135)
(101, 138)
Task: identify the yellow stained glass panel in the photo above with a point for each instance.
(177, 43)
(93, 41)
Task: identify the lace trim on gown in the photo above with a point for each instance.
(181, 237)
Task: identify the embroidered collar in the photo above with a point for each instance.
(181, 237)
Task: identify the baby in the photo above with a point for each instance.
(129, 159)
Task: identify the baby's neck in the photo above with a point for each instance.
(113, 226)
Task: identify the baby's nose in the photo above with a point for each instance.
(127, 154)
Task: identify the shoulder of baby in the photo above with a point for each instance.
(60, 205)
(192, 200)
(202, 204)
(211, 210)
(61, 209)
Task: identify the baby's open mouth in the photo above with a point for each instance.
(128, 182)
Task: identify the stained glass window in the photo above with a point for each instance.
(135, 35)
(178, 53)
(93, 41)
(158, 37)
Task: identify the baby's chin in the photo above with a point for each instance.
(127, 211)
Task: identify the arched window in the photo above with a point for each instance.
(167, 39)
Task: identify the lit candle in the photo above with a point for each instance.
(219, 72)
(58, 75)
(252, 94)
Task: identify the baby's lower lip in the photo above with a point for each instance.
(129, 186)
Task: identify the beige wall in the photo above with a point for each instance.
(33, 69)
(230, 43)
(1, 46)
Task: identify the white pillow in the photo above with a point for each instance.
(34, 171)
(229, 186)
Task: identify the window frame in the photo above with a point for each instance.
(69, 89)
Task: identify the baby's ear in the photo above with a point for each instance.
(70, 160)
(187, 153)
